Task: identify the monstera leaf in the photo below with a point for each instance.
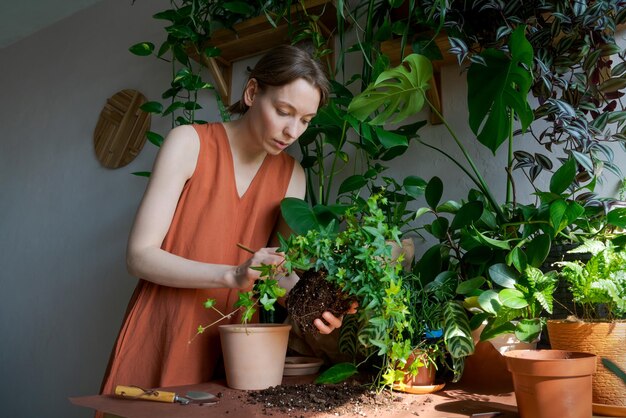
(398, 93)
(499, 88)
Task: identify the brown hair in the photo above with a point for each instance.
(282, 65)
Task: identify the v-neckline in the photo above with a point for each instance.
(232, 168)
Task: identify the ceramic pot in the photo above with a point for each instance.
(425, 374)
(605, 340)
(254, 354)
(504, 342)
(552, 383)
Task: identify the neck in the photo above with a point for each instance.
(242, 141)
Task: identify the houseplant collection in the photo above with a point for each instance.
(487, 250)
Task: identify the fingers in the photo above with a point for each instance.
(332, 323)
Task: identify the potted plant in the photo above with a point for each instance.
(254, 354)
(598, 286)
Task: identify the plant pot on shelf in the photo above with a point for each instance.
(552, 383)
(605, 340)
(254, 354)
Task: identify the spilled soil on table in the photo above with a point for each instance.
(340, 399)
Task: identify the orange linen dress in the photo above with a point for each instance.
(153, 348)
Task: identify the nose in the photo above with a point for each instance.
(293, 129)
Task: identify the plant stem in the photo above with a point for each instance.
(480, 181)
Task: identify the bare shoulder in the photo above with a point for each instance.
(180, 150)
(297, 184)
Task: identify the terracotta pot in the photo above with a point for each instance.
(552, 383)
(504, 342)
(425, 374)
(605, 340)
(254, 354)
(407, 248)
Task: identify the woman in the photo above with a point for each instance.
(213, 186)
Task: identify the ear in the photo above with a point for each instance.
(250, 91)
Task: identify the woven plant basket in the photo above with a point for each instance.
(605, 340)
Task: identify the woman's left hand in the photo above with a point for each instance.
(331, 322)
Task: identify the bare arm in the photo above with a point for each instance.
(174, 165)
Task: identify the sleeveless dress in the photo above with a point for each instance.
(153, 348)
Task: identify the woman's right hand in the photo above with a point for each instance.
(244, 276)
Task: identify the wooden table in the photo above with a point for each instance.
(451, 402)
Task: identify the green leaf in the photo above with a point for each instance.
(434, 191)
(337, 373)
(503, 275)
(152, 107)
(537, 250)
(154, 138)
(141, 173)
(142, 49)
(528, 330)
(390, 139)
(352, 183)
(617, 217)
(398, 92)
(512, 298)
(209, 303)
(439, 228)
(499, 88)
(298, 215)
(472, 284)
(563, 177)
(557, 212)
(517, 258)
(414, 186)
(494, 243)
(467, 214)
(489, 302)
(429, 265)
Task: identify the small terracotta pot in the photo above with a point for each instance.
(552, 383)
(254, 354)
(605, 340)
(425, 375)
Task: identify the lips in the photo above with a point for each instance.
(281, 145)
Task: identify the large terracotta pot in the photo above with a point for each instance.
(605, 340)
(254, 354)
(552, 383)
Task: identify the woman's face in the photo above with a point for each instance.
(279, 115)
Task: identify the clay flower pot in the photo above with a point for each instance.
(552, 383)
(254, 354)
(605, 340)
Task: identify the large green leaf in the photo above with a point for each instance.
(503, 275)
(398, 93)
(434, 191)
(499, 88)
(528, 330)
(513, 298)
(298, 215)
(337, 373)
(537, 250)
(563, 177)
(467, 214)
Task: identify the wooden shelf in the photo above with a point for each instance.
(392, 50)
(257, 35)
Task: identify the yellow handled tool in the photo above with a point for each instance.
(135, 392)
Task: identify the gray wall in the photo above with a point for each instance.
(64, 219)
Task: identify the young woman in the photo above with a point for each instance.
(213, 186)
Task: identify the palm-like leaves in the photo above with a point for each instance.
(398, 93)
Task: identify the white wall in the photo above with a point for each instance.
(64, 219)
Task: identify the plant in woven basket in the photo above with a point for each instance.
(599, 284)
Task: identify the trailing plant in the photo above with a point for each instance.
(265, 293)
(578, 73)
(358, 261)
(599, 284)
